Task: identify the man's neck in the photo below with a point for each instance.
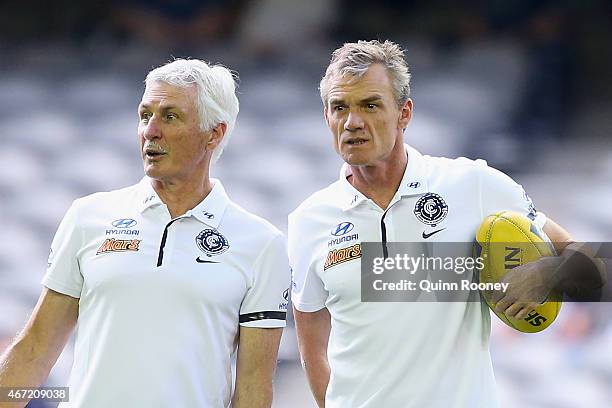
(182, 196)
(380, 182)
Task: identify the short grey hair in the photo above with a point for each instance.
(216, 88)
(354, 59)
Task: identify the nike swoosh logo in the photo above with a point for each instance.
(425, 236)
(200, 260)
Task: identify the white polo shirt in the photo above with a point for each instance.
(400, 355)
(161, 299)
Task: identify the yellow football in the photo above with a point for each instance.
(504, 241)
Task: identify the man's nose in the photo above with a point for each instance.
(353, 122)
(152, 130)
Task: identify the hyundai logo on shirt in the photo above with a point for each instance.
(122, 227)
(342, 228)
(124, 223)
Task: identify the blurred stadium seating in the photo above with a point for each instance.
(68, 126)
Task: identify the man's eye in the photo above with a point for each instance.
(338, 108)
(370, 106)
(171, 116)
(145, 116)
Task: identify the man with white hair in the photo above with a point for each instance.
(165, 278)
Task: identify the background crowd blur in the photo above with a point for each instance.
(525, 84)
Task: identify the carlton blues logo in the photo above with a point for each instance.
(431, 209)
(211, 242)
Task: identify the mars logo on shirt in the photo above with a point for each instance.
(119, 245)
(211, 242)
(431, 209)
(338, 256)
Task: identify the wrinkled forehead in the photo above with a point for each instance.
(375, 80)
(159, 91)
(338, 78)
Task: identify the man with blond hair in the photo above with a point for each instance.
(165, 278)
(398, 354)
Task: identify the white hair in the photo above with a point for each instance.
(216, 87)
(354, 59)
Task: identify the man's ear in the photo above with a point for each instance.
(325, 111)
(405, 114)
(216, 136)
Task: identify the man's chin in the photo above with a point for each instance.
(152, 171)
(353, 159)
